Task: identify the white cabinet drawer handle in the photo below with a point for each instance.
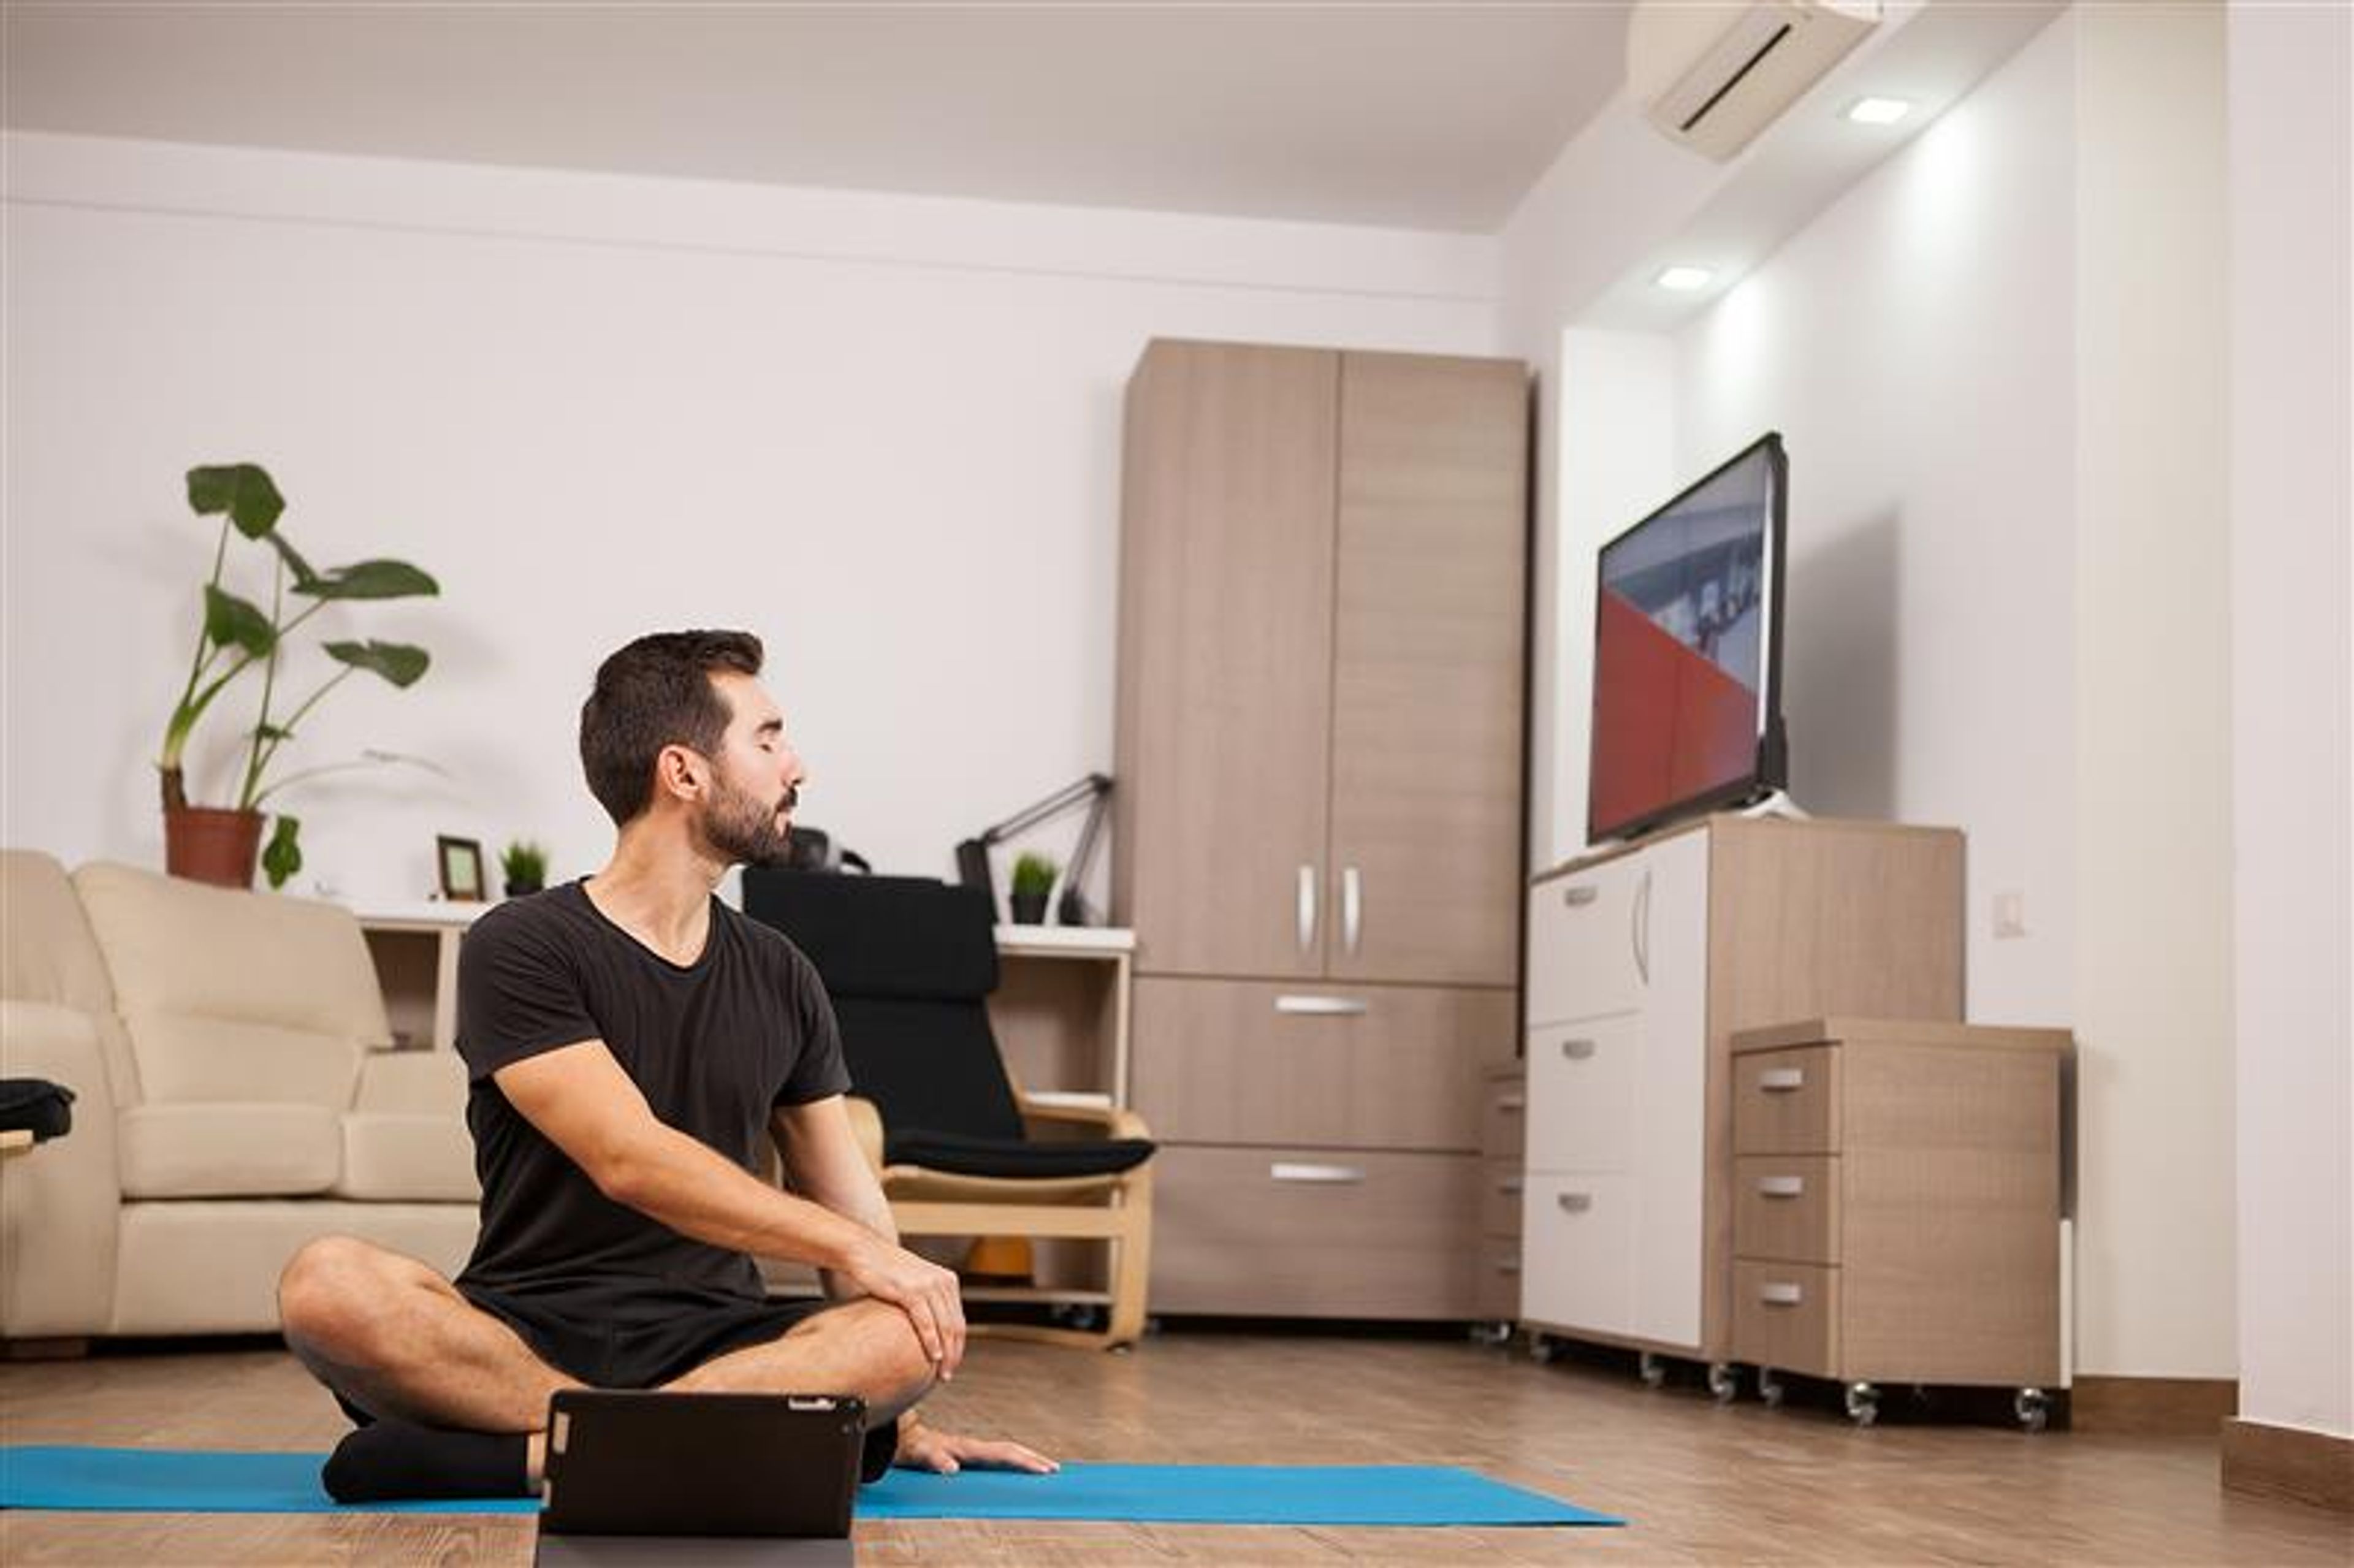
(1340, 1174)
(1580, 896)
(1576, 1203)
(1781, 1186)
(1511, 1102)
(1307, 911)
(1352, 907)
(1577, 1050)
(1782, 1080)
(1781, 1295)
(1320, 1006)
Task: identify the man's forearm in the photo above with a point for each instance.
(698, 1192)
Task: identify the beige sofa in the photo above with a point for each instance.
(235, 1097)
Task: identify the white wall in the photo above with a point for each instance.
(1913, 345)
(881, 431)
(2153, 818)
(2292, 507)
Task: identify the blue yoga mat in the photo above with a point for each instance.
(163, 1480)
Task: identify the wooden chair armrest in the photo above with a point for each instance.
(866, 1122)
(1107, 1121)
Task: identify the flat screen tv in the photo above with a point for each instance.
(1687, 652)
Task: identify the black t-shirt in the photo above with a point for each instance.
(716, 1046)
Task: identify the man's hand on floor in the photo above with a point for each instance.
(922, 1448)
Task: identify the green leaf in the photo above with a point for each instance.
(273, 732)
(243, 491)
(229, 619)
(402, 663)
(283, 856)
(371, 580)
(304, 577)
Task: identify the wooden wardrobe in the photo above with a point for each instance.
(1319, 814)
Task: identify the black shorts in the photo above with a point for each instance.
(627, 1342)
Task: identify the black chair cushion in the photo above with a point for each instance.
(945, 1151)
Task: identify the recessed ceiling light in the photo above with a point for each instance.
(1684, 278)
(1879, 110)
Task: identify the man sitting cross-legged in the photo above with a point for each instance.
(629, 1039)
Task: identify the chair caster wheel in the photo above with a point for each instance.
(1542, 1350)
(1770, 1388)
(2034, 1408)
(1654, 1370)
(1724, 1382)
(1862, 1404)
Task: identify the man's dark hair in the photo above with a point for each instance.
(656, 692)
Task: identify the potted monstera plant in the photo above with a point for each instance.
(218, 843)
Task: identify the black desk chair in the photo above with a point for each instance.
(910, 963)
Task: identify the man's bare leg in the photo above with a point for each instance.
(397, 1340)
(865, 1348)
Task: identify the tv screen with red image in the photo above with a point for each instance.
(1686, 653)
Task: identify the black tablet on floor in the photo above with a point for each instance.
(630, 1463)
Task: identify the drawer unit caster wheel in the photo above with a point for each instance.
(1654, 1370)
(1770, 1388)
(2033, 1407)
(1542, 1350)
(1862, 1404)
(1724, 1382)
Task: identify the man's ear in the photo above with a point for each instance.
(678, 771)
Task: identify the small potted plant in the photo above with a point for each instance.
(523, 865)
(1033, 879)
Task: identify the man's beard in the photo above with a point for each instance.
(743, 828)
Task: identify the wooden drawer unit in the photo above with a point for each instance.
(1786, 1315)
(1500, 1185)
(1315, 1232)
(1786, 1207)
(1896, 1202)
(1577, 1245)
(1786, 1102)
(1226, 1062)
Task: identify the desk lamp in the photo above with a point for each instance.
(972, 855)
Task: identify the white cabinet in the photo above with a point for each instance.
(1613, 1218)
(1642, 961)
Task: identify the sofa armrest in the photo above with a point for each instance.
(61, 1202)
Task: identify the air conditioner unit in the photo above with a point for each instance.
(1711, 75)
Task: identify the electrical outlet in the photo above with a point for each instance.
(2009, 914)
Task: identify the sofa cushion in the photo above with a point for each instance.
(407, 1157)
(235, 1149)
(230, 995)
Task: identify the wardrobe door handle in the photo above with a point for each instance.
(1321, 1006)
(1307, 913)
(1352, 907)
(1643, 928)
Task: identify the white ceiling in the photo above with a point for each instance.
(1429, 116)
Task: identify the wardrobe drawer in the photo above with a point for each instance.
(1582, 1094)
(1578, 1252)
(1499, 1198)
(1786, 1206)
(1583, 959)
(1225, 1062)
(1786, 1315)
(1786, 1102)
(1314, 1232)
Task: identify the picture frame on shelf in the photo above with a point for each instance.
(460, 865)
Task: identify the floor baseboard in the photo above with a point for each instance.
(2288, 1462)
(2152, 1407)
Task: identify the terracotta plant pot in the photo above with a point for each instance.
(210, 843)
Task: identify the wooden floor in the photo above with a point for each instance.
(1699, 1483)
